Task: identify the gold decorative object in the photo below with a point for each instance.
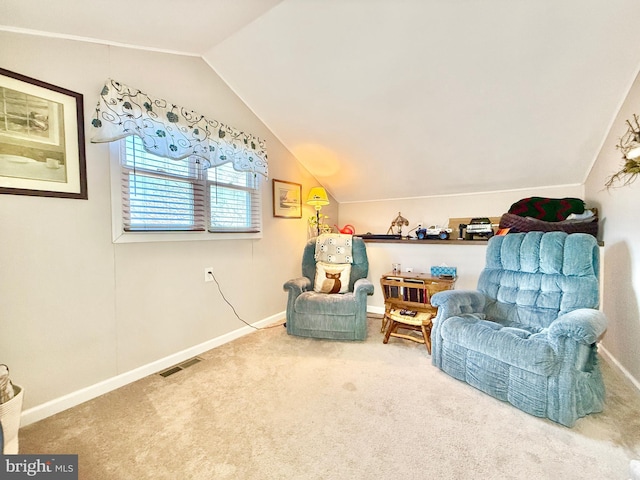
(398, 222)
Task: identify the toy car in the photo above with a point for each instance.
(433, 233)
(477, 226)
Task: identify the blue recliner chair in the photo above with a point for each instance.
(528, 334)
(337, 316)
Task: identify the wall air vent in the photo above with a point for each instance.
(180, 366)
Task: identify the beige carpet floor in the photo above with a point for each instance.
(271, 406)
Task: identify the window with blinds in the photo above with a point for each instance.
(164, 195)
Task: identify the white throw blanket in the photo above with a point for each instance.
(334, 248)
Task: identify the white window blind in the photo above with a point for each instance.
(234, 200)
(160, 194)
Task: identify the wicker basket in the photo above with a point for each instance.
(10, 418)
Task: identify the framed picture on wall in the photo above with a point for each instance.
(287, 199)
(41, 139)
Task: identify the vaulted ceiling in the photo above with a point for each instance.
(396, 98)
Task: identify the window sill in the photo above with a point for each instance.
(150, 237)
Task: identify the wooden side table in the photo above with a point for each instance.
(410, 292)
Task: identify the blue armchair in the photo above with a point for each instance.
(338, 316)
(528, 334)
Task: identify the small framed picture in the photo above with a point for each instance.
(287, 199)
(41, 139)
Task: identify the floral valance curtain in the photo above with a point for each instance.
(171, 131)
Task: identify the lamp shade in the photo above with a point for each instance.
(318, 197)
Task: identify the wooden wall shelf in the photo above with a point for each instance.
(480, 241)
(451, 241)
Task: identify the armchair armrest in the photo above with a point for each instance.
(451, 303)
(456, 302)
(362, 287)
(584, 325)
(297, 286)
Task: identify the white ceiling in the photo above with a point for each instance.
(398, 98)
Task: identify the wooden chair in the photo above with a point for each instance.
(408, 306)
(421, 322)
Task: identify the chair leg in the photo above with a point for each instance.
(393, 325)
(426, 333)
(385, 322)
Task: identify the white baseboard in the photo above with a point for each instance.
(72, 399)
(65, 402)
(613, 360)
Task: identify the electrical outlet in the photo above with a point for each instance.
(208, 274)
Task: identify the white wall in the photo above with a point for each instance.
(619, 229)
(621, 235)
(77, 309)
(375, 217)
(468, 259)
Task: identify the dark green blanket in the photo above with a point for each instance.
(547, 209)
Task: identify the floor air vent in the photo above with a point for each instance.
(180, 366)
